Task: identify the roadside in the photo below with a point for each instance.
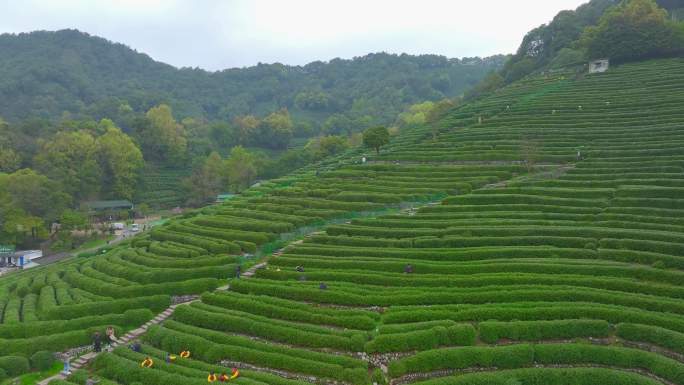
(144, 224)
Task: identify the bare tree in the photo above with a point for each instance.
(529, 151)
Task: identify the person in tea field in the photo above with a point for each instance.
(67, 364)
(212, 377)
(97, 342)
(237, 272)
(110, 337)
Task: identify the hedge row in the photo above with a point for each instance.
(164, 249)
(271, 330)
(375, 297)
(296, 220)
(545, 376)
(221, 234)
(126, 371)
(156, 303)
(252, 344)
(495, 199)
(517, 356)
(141, 257)
(215, 346)
(211, 245)
(493, 331)
(189, 286)
(28, 308)
(604, 274)
(262, 377)
(134, 317)
(292, 311)
(144, 275)
(667, 339)
(54, 341)
(422, 339)
(248, 225)
(508, 207)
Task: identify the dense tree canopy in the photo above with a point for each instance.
(620, 30)
(162, 137)
(121, 161)
(71, 159)
(636, 29)
(240, 168)
(47, 73)
(376, 137)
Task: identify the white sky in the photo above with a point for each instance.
(217, 34)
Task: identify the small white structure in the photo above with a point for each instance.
(21, 258)
(598, 66)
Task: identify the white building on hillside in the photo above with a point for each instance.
(598, 66)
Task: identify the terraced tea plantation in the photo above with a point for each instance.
(536, 238)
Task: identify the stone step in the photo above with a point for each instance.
(55, 377)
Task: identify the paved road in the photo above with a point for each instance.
(52, 258)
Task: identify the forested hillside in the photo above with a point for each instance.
(618, 30)
(83, 118)
(48, 73)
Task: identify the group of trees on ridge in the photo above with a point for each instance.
(620, 30)
(48, 73)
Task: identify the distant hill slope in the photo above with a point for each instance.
(47, 73)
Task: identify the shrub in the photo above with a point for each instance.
(14, 365)
(42, 360)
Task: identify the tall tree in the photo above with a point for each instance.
(121, 162)
(10, 161)
(376, 137)
(16, 226)
(71, 159)
(276, 129)
(164, 138)
(247, 126)
(326, 146)
(241, 168)
(35, 194)
(206, 181)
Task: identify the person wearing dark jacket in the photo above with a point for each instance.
(97, 342)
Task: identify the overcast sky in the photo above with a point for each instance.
(218, 34)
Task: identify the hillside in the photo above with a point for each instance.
(537, 240)
(47, 73)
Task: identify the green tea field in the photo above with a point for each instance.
(535, 237)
